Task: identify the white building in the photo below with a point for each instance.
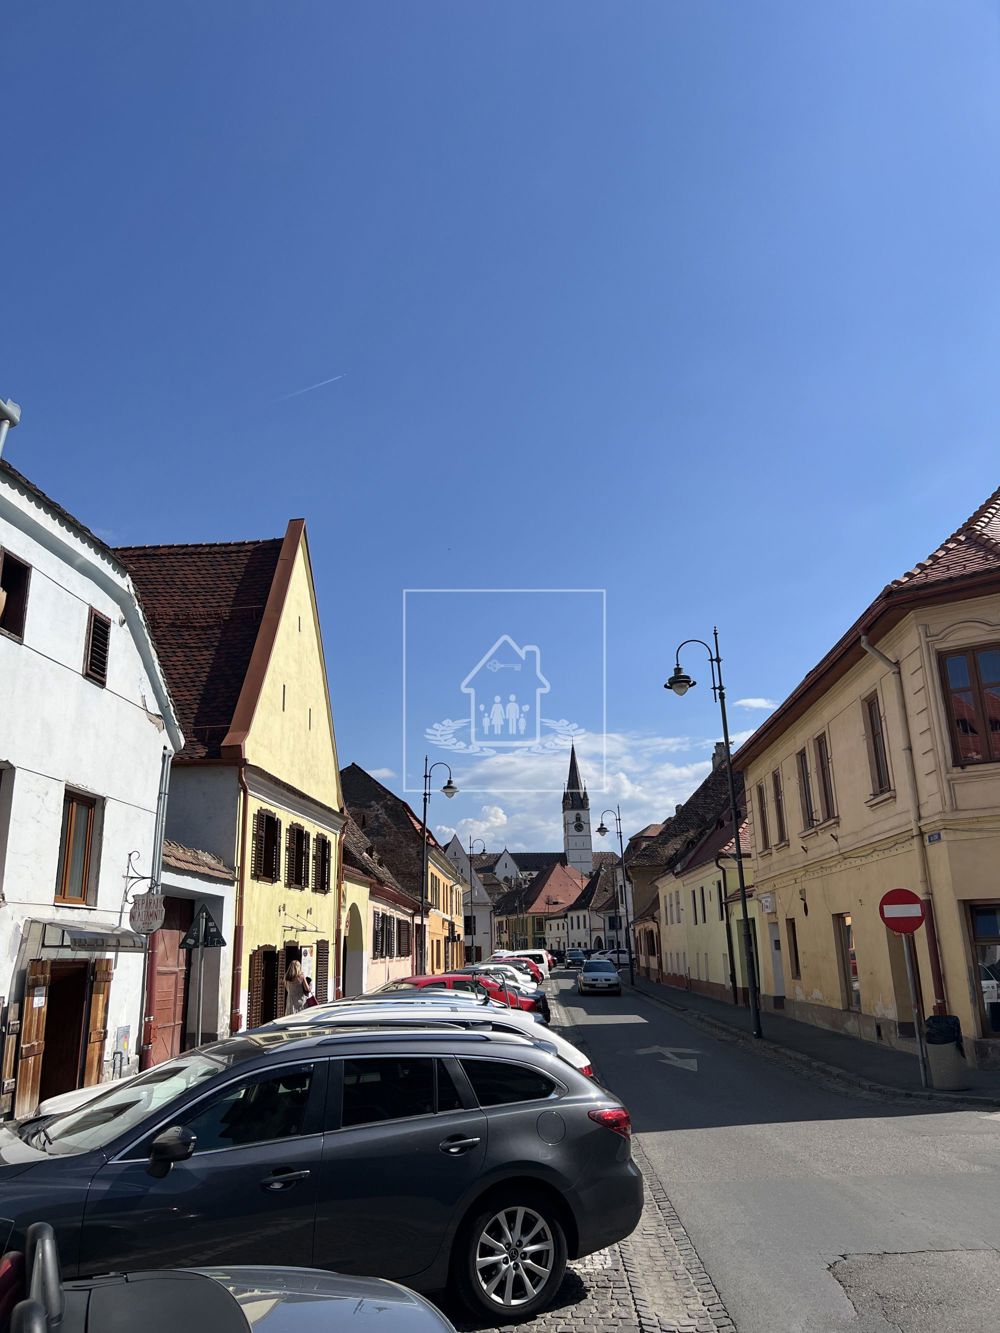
(476, 905)
(87, 732)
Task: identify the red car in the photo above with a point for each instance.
(462, 981)
(537, 975)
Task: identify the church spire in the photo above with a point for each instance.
(575, 796)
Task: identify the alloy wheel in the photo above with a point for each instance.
(515, 1255)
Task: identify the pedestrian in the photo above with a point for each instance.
(297, 988)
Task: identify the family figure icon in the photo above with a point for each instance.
(513, 714)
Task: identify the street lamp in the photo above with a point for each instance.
(680, 682)
(449, 789)
(472, 948)
(602, 830)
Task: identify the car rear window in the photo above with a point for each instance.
(497, 1082)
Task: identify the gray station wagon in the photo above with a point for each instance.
(424, 1156)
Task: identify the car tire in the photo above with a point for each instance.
(524, 1293)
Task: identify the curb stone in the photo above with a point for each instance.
(820, 1069)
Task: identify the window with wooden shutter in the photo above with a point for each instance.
(95, 657)
(265, 855)
(297, 857)
(255, 985)
(321, 865)
(321, 982)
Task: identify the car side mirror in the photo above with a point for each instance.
(175, 1144)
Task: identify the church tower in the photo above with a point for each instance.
(577, 844)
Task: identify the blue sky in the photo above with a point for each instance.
(694, 302)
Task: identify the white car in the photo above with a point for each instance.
(517, 1021)
(617, 956)
(598, 976)
(540, 957)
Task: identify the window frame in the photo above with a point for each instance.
(96, 617)
(976, 686)
(75, 800)
(334, 1120)
(808, 806)
(17, 636)
(824, 777)
(871, 713)
(322, 861)
(792, 939)
(560, 1089)
(297, 856)
(765, 832)
(778, 791)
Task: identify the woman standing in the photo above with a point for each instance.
(297, 990)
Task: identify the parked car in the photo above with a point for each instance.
(404, 1014)
(617, 956)
(495, 987)
(528, 964)
(541, 957)
(599, 974)
(575, 958)
(227, 1300)
(395, 1154)
(512, 976)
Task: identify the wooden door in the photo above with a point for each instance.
(171, 979)
(34, 1010)
(97, 1021)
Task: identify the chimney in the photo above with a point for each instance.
(678, 809)
(10, 415)
(718, 755)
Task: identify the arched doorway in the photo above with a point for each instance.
(354, 953)
(598, 943)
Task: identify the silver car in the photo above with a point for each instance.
(599, 975)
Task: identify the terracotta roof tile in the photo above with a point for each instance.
(204, 605)
(22, 482)
(973, 548)
(192, 861)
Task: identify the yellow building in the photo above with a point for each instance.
(257, 783)
(882, 770)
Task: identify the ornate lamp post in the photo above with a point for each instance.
(449, 789)
(602, 830)
(680, 682)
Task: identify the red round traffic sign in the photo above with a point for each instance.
(902, 911)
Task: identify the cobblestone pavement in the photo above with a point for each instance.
(653, 1282)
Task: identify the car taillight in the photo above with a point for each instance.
(615, 1118)
(587, 1071)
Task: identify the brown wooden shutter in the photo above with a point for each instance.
(317, 869)
(304, 859)
(321, 985)
(9, 1075)
(97, 1028)
(257, 846)
(289, 854)
(255, 988)
(95, 662)
(283, 961)
(29, 1068)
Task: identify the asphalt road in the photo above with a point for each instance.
(813, 1210)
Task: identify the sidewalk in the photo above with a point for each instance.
(880, 1068)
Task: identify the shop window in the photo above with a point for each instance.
(971, 682)
(985, 929)
(847, 956)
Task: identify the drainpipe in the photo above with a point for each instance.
(729, 933)
(147, 1018)
(338, 980)
(235, 1016)
(923, 868)
(10, 415)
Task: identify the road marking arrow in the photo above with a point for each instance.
(673, 1055)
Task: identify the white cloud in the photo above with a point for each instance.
(383, 774)
(765, 705)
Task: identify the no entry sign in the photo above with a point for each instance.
(902, 911)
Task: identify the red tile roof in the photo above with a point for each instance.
(967, 564)
(974, 548)
(192, 861)
(204, 605)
